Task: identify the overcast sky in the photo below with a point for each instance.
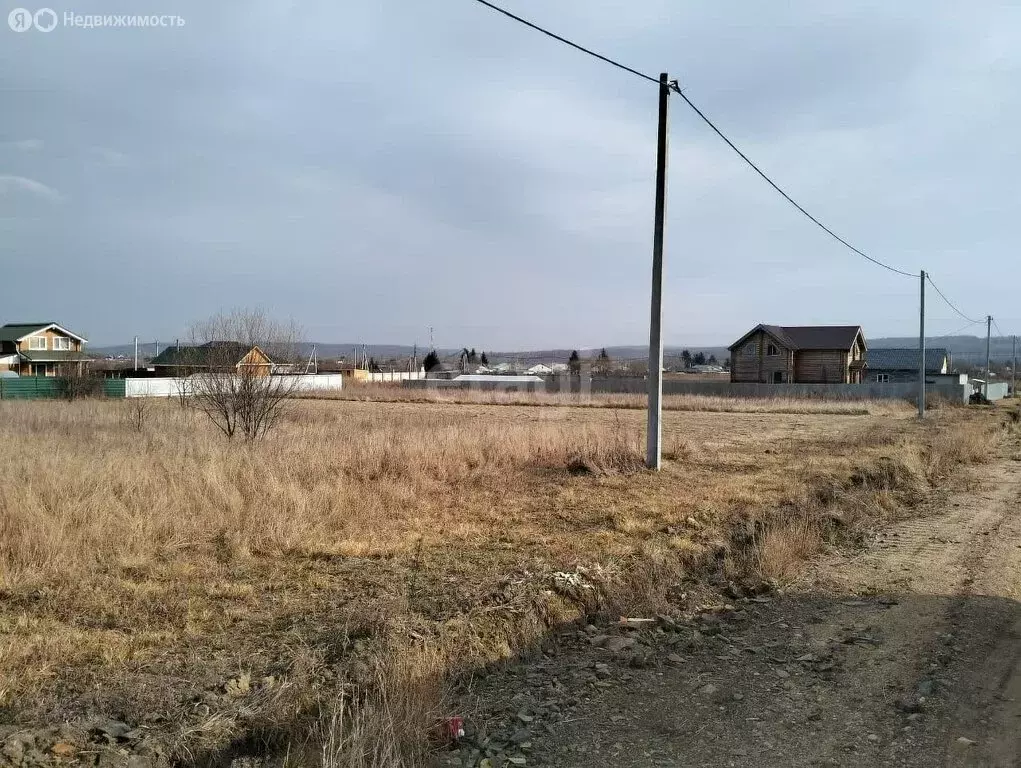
(375, 167)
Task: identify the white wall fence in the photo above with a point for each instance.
(175, 387)
(384, 376)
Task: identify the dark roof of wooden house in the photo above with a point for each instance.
(800, 337)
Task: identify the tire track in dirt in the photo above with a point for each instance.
(908, 654)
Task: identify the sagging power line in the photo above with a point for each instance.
(950, 303)
(675, 87)
(667, 86)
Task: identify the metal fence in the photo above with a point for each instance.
(49, 387)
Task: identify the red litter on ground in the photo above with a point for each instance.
(455, 728)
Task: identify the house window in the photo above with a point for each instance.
(883, 378)
(62, 343)
(37, 342)
(778, 377)
(751, 350)
(771, 350)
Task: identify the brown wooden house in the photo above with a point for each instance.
(212, 357)
(799, 354)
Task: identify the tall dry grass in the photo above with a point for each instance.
(86, 485)
(843, 508)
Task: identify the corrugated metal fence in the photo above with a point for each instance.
(48, 387)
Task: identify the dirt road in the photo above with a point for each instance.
(908, 654)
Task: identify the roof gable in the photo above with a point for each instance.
(776, 331)
(18, 331)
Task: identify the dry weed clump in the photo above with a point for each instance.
(386, 725)
(845, 508)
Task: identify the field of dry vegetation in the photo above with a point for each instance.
(255, 595)
(392, 393)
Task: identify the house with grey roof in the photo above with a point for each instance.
(799, 354)
(211, 357)
(901, 364)
(41, 349)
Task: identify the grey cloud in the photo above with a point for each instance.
(372, 169)
(13, 185)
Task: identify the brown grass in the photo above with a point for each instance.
(144, 571)
(391, 393)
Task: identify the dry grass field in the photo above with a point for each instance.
(210, 593)
(389, 393)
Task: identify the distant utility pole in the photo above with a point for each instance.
(989, 331)
(136, 353)
(1013, 368)
(654, 444)
(921, 350)
(157, 345)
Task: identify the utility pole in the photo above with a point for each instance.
(1013, 369)
(136, 353)
(989, 331)
(921, 350)
(654, 444)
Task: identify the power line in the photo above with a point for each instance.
(674, 86)
(565, 41)
(948, 302)
(786, 197)
(997, 327)
(954, 333)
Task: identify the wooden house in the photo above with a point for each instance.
(212, 357)
(41, 349)
(800, 354)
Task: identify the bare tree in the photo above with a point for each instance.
(77, 380)
(139, 409)
(242, 362)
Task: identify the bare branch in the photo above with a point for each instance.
(236, 371)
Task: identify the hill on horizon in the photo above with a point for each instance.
(964, 349)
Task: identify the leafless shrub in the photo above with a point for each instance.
(77, 382)
(237, 359)
(139, 410)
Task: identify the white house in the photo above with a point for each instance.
(539, 370)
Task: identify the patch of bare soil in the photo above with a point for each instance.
(906, 654)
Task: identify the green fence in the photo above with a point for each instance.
(43, 387)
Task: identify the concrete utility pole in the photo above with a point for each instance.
(654, 444)
(921, 350)
(136, 353)
(1013, 369)
(989, 331)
